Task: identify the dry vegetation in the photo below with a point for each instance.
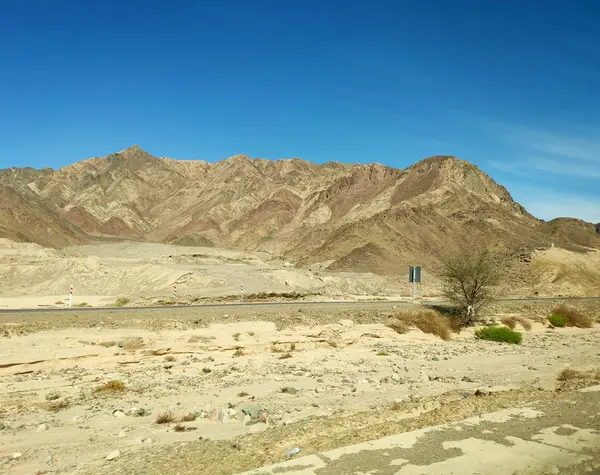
(114, 386)
(133, 344)
(165, 417)
(57, 405)
(511, 322)
(569, 374)
(573, 317)
(428, 321)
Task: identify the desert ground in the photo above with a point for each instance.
(143, 274)
(224, 390)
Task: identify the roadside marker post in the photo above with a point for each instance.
(70, 296)
(174, 293)
(414, 277)
(242, 289)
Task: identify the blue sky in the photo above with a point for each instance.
(512, 86)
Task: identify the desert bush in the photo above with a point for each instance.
(107, 344)
(57, 405)
(573, 316)
(558, 320)
(114, 386)
(502, 334)
(238, 352)
(285, 356)
(511, 322)
(428, 321)
(121, 302)
(469, 278)
(134, 344)
(165, 417)
(570, 374)
(170, 358)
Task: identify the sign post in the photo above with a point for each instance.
(70, 296)
(242, 290)
(174, 294)
(414, 277)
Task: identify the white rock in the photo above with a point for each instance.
(17, 455)
(318, 389)
(113, 455)
(42, 428)
(122, 434)
(119, 414)
(147, 440)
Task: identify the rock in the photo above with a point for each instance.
(206, 370)
(532, 368)
(42, 428)
(482, 392)
(52, 396)
(2, 426)
(467, 379)
(162, 351)
(137, 412)
(49, 460)
(122, 434)
(168, 365)
(118, 413)
(251, 410)
(289, 390)
(147, 440)
(17, 455)
(113, 455)
(318, 389)
(396, 377)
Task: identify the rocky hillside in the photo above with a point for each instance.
(343, 217)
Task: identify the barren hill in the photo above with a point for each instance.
(342, 217)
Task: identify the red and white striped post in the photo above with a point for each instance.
(71, 296)
(174, 293)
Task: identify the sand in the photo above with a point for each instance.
(320, 366)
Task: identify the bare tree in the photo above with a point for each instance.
(469, 279)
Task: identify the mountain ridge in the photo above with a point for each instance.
(333, 215)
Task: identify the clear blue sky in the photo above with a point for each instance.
(512, 86)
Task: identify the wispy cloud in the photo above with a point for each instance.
(571, 147)
(549, 205)
(525, 167)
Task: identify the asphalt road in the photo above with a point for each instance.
(559, 436)
(267, 304)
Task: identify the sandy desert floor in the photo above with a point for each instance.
(239, 387)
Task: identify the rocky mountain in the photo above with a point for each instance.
(336, 216)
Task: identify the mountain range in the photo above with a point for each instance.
(368, 218)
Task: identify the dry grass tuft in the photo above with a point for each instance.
(165, 417)
(134, 344)
(569, 374)
(511, 322)
(396, 406)
(108, 344)
(574, 317)
(170, 358)
(121, 302)
(238, 352)
(189, 417)
(382, 353)
(114, 386)
(243, 394)
(285, 356)
(57, 405)
(236, 336)
(428, 321)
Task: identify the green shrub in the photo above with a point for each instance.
(499, 334)
(558, 320)
(121, 302)
(573, 317)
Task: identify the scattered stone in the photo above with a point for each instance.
(52, 396)
(482, 392)
(49, 460)
(532, 368)
(251, 410)
(206, 370)
(147, 440)
(289, 390)
(122, 434)
(168, 365)
(118, 413)
(318, 389)
(465, 395)
(2, 426)
(467, 379)
(396, 377)
(42, 428)
(113, 455)
(17, 455)
(138, 412)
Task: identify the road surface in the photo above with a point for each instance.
(557, 437)
(300, 303)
